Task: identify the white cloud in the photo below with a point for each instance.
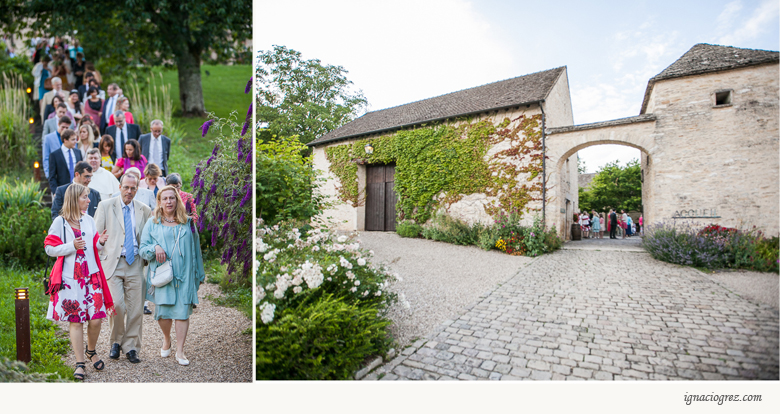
(396, 52)
(729, 14)
(763, 16)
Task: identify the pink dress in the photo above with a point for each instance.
(126, 163)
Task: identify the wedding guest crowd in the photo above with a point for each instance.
(113, 193)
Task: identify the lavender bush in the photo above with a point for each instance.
(711, 247)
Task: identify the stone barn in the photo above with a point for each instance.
(707, 131)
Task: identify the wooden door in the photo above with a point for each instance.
(380, 198)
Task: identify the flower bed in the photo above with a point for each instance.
(712, 247)
(506, 234)
(321, 304)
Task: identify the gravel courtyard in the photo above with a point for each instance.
(216, 346)
(602, 310)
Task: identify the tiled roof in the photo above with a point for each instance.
(706, 58)
(503, 94)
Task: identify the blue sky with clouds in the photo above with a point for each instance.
(405, 50)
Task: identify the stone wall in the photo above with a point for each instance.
(471, 208)
(696, 155)
(724, 158)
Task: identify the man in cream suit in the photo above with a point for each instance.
(123, 266)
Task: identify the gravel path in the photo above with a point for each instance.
(755, 286)
(217, 347)
(439, 279)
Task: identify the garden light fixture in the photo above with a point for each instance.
(369, 149)
(23, 325)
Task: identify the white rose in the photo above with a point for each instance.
(342, 239)
(361, 261)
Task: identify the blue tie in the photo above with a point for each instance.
(129, 233)
(70, 164)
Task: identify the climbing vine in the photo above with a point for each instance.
(437, 165)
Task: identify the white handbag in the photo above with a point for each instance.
(163, 274)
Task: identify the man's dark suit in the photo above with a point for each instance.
(59, 174)
(59, 197)
(133, 132)
(146, 145)
(613, 225)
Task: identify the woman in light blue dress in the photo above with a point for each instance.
(596, 226)
(169, 235)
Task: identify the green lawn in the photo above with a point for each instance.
(223, 92)
(48, 342)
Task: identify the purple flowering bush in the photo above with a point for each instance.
(691, 244)
(222, 186)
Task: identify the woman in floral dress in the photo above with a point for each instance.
(77, 286)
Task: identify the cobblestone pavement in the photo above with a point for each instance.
(599, 315)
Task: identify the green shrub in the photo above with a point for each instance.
(15, 138)
(21, 194)
(286, 183)
(408, 228)
(451, 230)
(488, 237)
(22, 232)
(327, 339)
(16, 371)
(516, 239)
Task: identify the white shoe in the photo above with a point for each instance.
(182, 361)
(165, 353)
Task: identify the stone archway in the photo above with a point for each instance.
(562, 145)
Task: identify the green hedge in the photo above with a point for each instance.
(22, 232)
(324, 340)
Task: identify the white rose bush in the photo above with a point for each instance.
(320, 303)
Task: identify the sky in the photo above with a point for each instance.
(402, 51)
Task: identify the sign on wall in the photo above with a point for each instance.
(696, 213)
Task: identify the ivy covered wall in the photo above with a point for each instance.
(437, 165)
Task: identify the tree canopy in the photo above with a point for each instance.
(614, 187)
(125, 34)
(303, 97)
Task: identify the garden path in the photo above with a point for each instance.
(577, 314)
(217, 347)
(439, 279)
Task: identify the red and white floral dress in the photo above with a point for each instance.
(82, 295)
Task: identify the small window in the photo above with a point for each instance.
(722, 98)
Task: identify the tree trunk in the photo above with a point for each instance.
(190, 89)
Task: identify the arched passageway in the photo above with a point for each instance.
(562, 145)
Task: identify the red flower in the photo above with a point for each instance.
(71, 307)
(98, 300)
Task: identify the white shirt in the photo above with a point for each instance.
(120, 146)
(110, 107)
(132, 219)
(65, 151)
(157, 151)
